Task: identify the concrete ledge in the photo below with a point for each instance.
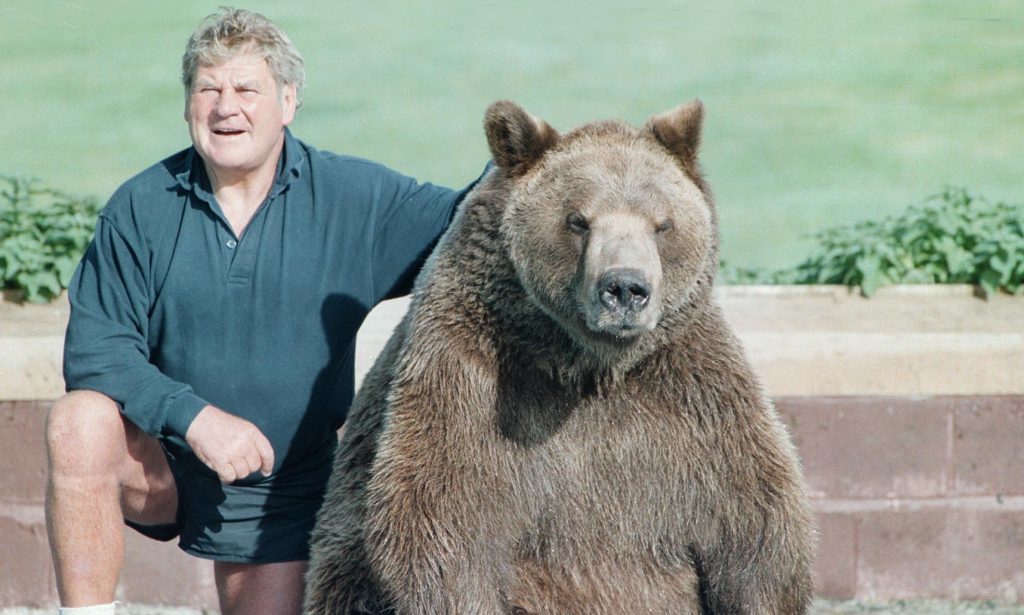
(802, 340)
(905, 340)
(828, 340)
(31, 349)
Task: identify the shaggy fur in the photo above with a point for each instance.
(564, 422)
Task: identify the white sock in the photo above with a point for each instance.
(96, 609)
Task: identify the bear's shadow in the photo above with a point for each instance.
(532, 407)
(340, 317)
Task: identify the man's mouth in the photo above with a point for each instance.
(227, 132)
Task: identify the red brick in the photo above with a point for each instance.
(26, 575)
(870, 447)
(154, 572)
(161, 573)
(23, 446)
(959, 554)
(835, 574)
(988, 453)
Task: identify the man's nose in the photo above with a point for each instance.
(227, 103)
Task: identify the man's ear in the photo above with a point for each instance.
(679, 131)
(289, 103)
(516, 138)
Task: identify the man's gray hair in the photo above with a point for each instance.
(229, 32)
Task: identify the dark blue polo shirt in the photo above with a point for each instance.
(171, 311)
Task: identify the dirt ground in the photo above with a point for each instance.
(821, 607)
(925, 607)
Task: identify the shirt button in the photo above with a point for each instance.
(231, 243)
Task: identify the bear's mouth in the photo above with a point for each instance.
(621, 324)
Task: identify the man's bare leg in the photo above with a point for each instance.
(102, 469)
(258, 589)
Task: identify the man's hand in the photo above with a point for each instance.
(230, 446)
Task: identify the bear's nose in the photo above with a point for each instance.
(625, 289)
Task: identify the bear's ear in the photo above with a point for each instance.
(679, 131)
(516, 138)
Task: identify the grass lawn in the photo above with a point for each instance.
(817, 112)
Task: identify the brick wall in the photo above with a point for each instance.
(914, 496)
(154, 573)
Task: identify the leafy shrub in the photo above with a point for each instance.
(952, 238)
(43, 233)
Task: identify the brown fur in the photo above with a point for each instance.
(518, 448)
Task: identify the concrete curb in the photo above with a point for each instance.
(802, 340)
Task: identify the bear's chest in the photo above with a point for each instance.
(612, 471)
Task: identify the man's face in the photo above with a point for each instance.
(236, 115)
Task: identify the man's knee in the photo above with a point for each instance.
(84, 424)
(88, 438)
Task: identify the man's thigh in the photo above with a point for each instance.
(149, 493)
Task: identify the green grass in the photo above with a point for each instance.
(818, 113)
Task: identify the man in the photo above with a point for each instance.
(209, 354)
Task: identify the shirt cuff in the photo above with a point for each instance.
(182, 410)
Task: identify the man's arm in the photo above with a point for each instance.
(106, 349)
(410, 218)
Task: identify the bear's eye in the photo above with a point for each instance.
(577, 223)
(664, 226)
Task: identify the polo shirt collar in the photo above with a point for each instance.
(193, 175)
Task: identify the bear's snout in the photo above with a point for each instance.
(620, 289)
(623, 302)
(624, 289)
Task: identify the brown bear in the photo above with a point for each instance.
(564, 422)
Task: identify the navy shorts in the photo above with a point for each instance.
(256, 520)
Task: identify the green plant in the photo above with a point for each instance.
(952, 238)
(43, 233)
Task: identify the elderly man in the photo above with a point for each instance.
(209, 356)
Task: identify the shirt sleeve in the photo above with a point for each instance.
(411, 217)
(106, 347)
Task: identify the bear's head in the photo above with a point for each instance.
(610, 228)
